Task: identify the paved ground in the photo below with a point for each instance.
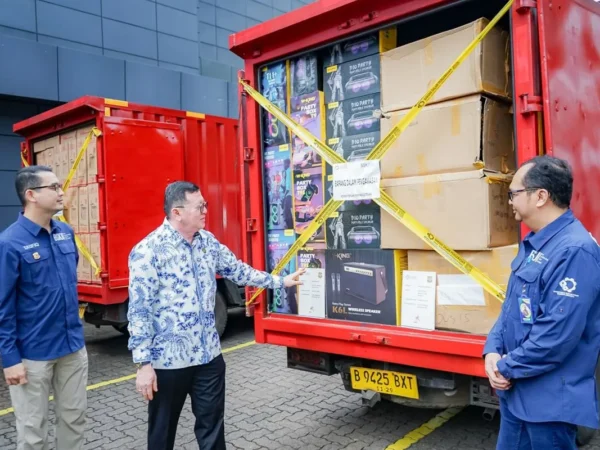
(268, 407)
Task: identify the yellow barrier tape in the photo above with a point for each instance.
(384, 145)
(80, 245)
(386, 202)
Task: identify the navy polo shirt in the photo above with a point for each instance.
(39, 307)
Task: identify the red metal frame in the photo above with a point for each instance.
(318, 24)
(198, 148)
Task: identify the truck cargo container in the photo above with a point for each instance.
(116, 196)
(545, 71)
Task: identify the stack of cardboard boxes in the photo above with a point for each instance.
(81, 205)
(452, 166)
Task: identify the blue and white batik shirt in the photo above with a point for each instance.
(172, 286)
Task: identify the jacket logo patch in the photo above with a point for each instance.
(568, 285)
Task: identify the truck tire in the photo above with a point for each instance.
(220, 313)
(584, 435)
(122, 328)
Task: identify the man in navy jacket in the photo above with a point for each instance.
(541, 354)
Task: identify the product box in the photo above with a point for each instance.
(84, 269)
(465, 210)
(81, 174)
(279, 184)
(357, 147)
(355, 116)
(95, 252)
(308, 201)
(71, 210)
(462, 304)
(357, 228)
(453, 136)
(304, 75)
(348, 205)
(311, 294)
(363, 285)
(485, 70)
(278, 243)
(84, 210)
(352, 79)
(94, 201)
(273, 87)
(360, 47)
(308, 113)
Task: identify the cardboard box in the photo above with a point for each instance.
(360, 47)
(352, 79)
(279, 187)
(93, 207)
(485, 70)
(92, 161)
(311, 295)
(95, 252)
(274, 87)
(354, 229)
(459, 311)
(363, 285)
(71, 210)
(308, 200)
(84, 210)
(84, 269)
(304, 75)
(465, 210)
(81, 174)
(282, 301)
(355, 116)
(39, 146)
(357, 147)
(452, 136)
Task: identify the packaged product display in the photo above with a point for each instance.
(357, 147)
(308, 112)
(354, 229)
(362, 285)
(304, 75)
(278, 176)
(355, 116)
(360, 47)
(352, 79)
(278, 243)
(311, 294)
(308, 201)
(274, 88)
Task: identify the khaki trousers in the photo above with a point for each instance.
(68, 378)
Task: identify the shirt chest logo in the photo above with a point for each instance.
(30, 246)
(62, 236)
(536, 257)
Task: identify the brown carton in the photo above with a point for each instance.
(95, 252)
(452, 136)
(84, 272)
(485, 70)
(469, 318)
(93, 203)
(466, 210)
(84, 212)
(39, 146)
(68, 144)
(71, 207)
(82, 167)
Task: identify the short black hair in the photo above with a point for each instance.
(552, 174)
(28, 178)
(175, 194)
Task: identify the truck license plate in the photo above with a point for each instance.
(385, 381)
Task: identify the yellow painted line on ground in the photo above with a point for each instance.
(91, 387)
(424, 430)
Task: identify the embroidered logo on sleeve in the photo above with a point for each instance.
(568, 286)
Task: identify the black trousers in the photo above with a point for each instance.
(206, 386)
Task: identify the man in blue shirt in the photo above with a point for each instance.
(174, 340)
(541, 354)
(41, 335)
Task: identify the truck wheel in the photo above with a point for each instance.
(122, 328)
(220, 313)
(584, 435)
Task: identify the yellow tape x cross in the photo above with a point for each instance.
(385, 201)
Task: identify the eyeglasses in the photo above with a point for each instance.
(511, 193)
(200, 207)
(55, 187)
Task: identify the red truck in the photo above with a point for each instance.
(116, 195)
(555, 53)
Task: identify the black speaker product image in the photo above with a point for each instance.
(362, 285)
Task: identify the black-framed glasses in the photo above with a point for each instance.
(54, 186)
(200, 207)
(511, 193)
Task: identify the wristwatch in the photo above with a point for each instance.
(141, 364)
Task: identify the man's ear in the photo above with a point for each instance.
(543, 197)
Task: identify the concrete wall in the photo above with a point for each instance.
(170, 53)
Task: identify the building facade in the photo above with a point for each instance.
(170, 53)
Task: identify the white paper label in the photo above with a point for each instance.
(356, 180)
(418, 299)
(459, 290)
(311, 295)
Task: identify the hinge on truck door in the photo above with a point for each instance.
(248, 154)
(522, 5)
(530, 103)
(250, 225)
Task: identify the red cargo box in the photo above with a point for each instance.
(141, 149)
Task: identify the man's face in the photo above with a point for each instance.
(44, 194)
(525, 203)
(193, 213)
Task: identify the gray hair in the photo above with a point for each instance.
(175, 194)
